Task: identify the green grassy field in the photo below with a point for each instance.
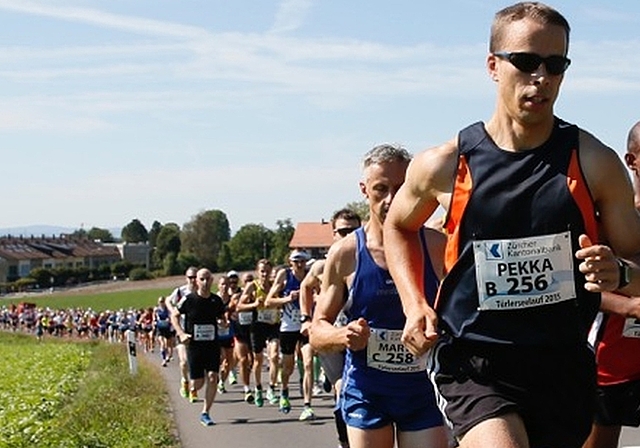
(79, 394)
(98, 302)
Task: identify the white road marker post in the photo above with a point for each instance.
(133, 359)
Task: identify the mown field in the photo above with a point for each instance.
(96, 301)
(105, 296)
(79, 394)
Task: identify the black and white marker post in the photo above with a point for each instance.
(133, 360)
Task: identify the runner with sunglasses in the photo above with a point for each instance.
(343, 222)
(531, 201)
(178, 295)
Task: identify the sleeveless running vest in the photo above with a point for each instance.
(511, 216)
(617, 350)
(177, 297)
(290, 311)
(162, 313)
(374, 297)
(162, 317)
(265, 315)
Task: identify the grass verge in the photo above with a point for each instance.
(106, 407)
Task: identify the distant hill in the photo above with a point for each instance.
(38, 230)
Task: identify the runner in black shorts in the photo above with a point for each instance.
(166, 333)
(201, 310)
(262, 329)
(225, 333)
(343, 222)
(535, 233)
(177, 295)
(242, 331)
(546, 387)
(285, 294)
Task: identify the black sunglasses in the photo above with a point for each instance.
(192, 277)
(344, 231)
(529, 62)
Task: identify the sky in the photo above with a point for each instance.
(158, 110)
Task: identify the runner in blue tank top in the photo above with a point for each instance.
(386, 396)
(374, 298)
(166, 333)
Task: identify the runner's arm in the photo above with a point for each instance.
(622, 305)
(171, 301)
(247, 300)
(308, 288)
(323, 335)
(415, 202)
(273, 299)
(175, 321)
(612, 192)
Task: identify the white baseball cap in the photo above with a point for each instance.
(298, 255)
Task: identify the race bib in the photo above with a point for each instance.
(631, 328)
(525, 272)
(245, 317)
(268, 316)
(386, 352)
(204, 332)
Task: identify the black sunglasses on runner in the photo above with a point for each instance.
(529, 62)
(344, 231)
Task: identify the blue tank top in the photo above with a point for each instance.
(162, 313)
(524, 198)
(290, 311)
(373, 295)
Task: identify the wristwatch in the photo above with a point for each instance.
(625, 273)
(304, 318)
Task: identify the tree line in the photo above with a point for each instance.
(205, 240)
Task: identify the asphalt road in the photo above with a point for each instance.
(241, 425)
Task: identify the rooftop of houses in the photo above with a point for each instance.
(45, 247)
(312, 235)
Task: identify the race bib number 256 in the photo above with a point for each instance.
(525, 272)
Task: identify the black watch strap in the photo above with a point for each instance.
(624, 271)
(305, 318)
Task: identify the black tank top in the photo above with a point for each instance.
(502, 195)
